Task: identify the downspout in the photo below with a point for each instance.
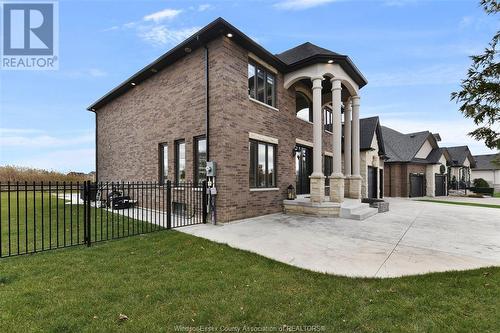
(96, 148)
(207, 103)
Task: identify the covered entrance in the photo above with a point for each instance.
(303, 169)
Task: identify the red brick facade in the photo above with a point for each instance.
(397, 178)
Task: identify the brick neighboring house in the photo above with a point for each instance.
(461, 162)
(415, 165)
(372, 158)
(268, 121)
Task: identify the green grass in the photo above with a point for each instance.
(474, 204)
(165, 279)
(62, 224)
(496, 194)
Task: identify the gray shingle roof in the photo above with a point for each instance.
(485, 162)
(401, 147)
(368, 128)
(459, 154)
(303, 51)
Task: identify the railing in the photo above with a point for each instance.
(37, 217)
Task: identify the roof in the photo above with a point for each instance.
(402, 148)
(459, 154)
(368, 128)
(486, 162)
(285, 62)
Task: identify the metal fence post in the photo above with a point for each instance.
(169, 204)
(86, 212)
(204, 200)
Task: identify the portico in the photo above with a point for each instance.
(341, 96)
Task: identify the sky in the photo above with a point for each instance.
(413, 53)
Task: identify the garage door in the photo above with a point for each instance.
(440, 185)
(372, 182)
(417, 185)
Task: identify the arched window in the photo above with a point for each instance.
(303, 107)
(328, 119)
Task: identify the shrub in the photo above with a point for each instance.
(480, 182)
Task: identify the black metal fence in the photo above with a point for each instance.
(37, 217)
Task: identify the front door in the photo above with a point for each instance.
(440, 185)
(417, 183)
(372, 182)
(303, 169)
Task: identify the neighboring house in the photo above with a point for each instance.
(415, 166)
(459, 171)
(488, 168)
(268, 121)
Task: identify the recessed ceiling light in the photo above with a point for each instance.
(229, 35)
(187, 50)
(330, 61)
(133, 83)
(154, 70)
(92, 109)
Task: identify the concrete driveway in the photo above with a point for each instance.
(413, 238)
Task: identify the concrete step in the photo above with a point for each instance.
(357, 211)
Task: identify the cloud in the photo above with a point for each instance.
(162, 15)
(155, 31)
(161, 35)
(61, 160)
(431, 75)
(300, 4)
(12, 138)
(204, 7)
(399, 3)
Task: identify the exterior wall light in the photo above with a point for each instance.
(330, 61)
(133, 83)
(229, 35)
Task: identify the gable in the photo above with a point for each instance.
(424, 150)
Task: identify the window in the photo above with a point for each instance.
(200, 159)
(261, 85)
(163, 161)
(262, 164)
(303, 108)
(328, 119)
(327, 168)
(180, 161)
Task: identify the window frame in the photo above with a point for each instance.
(327, 115)
(196, 155)
(177, 144)
(251, 172)
(267, 74)
(162, 177)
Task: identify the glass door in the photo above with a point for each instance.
(303, 169)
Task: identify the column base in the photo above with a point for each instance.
(317, 188)
(337, 188)
(355, 187)
(347, 182)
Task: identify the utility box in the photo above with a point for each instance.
(211, 168)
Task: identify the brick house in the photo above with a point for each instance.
(268, 121)
(415, 165)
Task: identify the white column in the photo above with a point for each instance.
(355, 136)
(347, 139)
(317, 178)
(317, 127)
(337, 127)
(337, 178)
(355, 179)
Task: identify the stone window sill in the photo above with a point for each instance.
(264, 189)
(263, 104)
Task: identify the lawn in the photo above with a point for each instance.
(55, 223)
(473, 204)
(496, 194)
(165, 279)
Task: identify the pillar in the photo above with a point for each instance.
(337, 177)
(355, 179)
(317, 178)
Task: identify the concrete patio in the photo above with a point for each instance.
(413, 238)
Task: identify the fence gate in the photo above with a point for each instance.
(45, 216)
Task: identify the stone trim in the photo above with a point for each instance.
(264, 189)
(262, 63)
(262, 103)
(263, 138)
(304, 143)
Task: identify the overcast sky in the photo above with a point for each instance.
(412, 52)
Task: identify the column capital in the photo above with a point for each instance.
(336, 83)
(316, 80)
(348, 105)
(355, 100)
